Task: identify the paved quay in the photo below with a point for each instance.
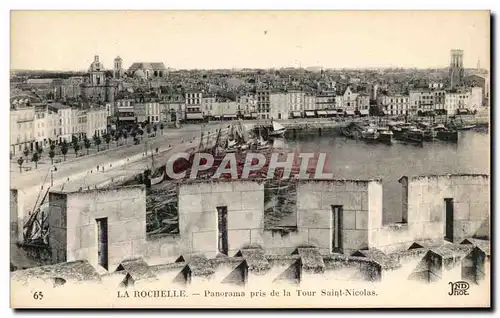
(115, 157)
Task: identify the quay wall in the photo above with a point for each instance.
(73, 218)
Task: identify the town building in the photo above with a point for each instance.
(154, 112)
(67, 121)
(456, 101)
(363, 104)
(207, 105)
(295, 100)
(439, 99)
(39, 126)
(263, 103)
(436, 85)
(482, 81)
(125, 112)
(96, 87)
(351, 102)
(476, 98)
(247, 106)
(193, 101)
(175, 107)
(393, 104)
(279, 105)
(52, 125)
(21, 128)
(71, 88)
(97, 122)
(325, 101)
(309, 102)
(224, 110)
(421, 101)
(147, 70)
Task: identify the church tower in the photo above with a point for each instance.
(117, 69)
(456, 68)
(96, 73)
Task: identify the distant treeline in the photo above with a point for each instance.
(46, 74)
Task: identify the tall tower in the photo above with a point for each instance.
(96, 72)
(117, 69)
(456, 68)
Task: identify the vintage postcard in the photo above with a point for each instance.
(250, 159)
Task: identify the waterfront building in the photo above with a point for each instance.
(21, 128)
(154, 112)
(480, 80)
(139, 111)
(347, 101)
(309, 102)
(279, 105)
(263, 103)
(175, 107)
(51, 125)
(475, 98)
(393, 104)
(439, 99)
(363, 104)
(455, 101)
(125, 112)
(39, 126)
(193, 101)
(247, 106)
(421, 101)
(207, 105)
(325, 101)
(224, 110)
(456, 68)
(296, 101)
(97, 121)
(67, 121)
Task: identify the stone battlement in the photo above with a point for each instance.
(220, 218)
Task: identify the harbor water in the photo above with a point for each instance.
(356, 159)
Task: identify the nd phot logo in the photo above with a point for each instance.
(460, 288)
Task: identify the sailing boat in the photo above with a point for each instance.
(278, 130)
(462, 125)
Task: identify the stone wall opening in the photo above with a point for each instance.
(336, 228)
(280, 204)
(102, 242)
(222, 243)
(448, 217)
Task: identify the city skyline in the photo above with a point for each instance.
(255, 39)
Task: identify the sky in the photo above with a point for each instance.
(68, 40)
